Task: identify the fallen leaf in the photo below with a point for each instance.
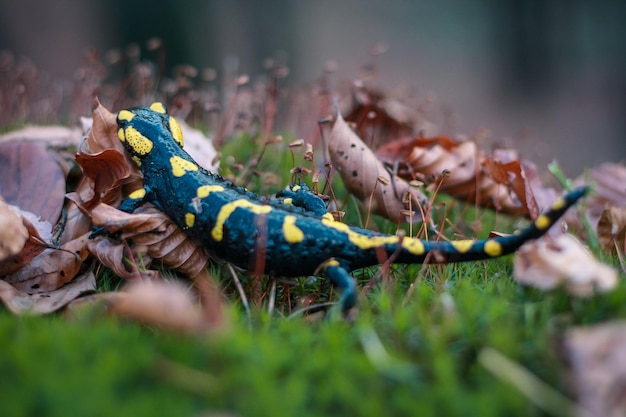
(562, 262)
(20, 302)
(407, 143)
(612, 230)
(167, 304)
(380, 117)
(108, 169)
(34, 245)
(502, 180)
(366, 178)
(13, 233)
(609, 181)
(597, 359)
(31, 179)
(511, 174)
(109, 173)
(57, 136)
(154, 236)
(46, 272)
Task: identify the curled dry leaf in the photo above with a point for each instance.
(367, 179)
(58, 136)
(34, 245)
(609, 181)
(41, 268)
(162, 303)
(13, 233)
(597, 359)
(108, 172)
(154, 236)
(612, 230)
(501, 181)
(21, 302)
(408, 143)
(379, 117)
(32, 179)
(119, 257)
(562, 261)
(46, 272)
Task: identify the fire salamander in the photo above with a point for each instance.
(289, 236)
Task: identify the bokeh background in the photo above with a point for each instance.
(547, 77)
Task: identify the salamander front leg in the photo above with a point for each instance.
(134, 200)
(341, 279)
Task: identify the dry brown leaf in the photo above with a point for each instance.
(46, 272)
(105, 162)
(32, 179)
(379, 117)
(512, 175)
(57, 136)
(366, 177)
(168, 304)
(34, 245)
(612, 229)
(502, 181)
(609, 181)
(597, 359)
(20, 302)
(39, 268)
(120, 258)
(13, 233)
(108, 173)
(562, 262)
(154, 236)
(165, 304)
(407, 143)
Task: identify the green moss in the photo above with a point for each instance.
(94, 366)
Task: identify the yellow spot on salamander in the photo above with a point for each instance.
(493, 248)
(328, 217)
(291, 232)
(462, 246)
(140, 144)
(542, 222)
(558, 204)
(180, 166)
(125, 115)
(205, 190)
(158, 107)
(177, 132)
(190, 219)
(137, 160)
(228, 209)
(295, 188)
(414, 246)
(138, 194)
(120, 134)
(288, 201)
(331, 262)
(363, 242)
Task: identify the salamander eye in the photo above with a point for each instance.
(158, 107)
(176, 131)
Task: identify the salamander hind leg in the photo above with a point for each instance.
(302, 196)
(341, 279)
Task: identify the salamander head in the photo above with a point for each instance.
(142, 129)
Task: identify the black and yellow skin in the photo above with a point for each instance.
(290, 236)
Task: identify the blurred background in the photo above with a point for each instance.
(548, 78)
